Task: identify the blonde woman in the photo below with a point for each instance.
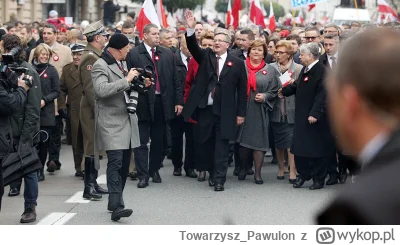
(50, 84)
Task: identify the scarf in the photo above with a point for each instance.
(251, 77)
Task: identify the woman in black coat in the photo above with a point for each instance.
(50, 84)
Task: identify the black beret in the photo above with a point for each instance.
(118, 41)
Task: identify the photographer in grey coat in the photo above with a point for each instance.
(116, 130)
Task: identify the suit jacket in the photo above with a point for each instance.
(230, 99)
(324, 60)
(374, 199)
(311, 140)
(181, 70)
(239, 53)
(115, 128)
(171, 89)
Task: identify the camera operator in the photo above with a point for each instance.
(25, 123)
(116, 130)
(10, 102)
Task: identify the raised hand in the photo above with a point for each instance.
(191, 21)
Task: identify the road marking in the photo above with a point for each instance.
(77, 198)
(56, 219)
(102, 179)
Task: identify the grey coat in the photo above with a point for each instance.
(115, 128)
(253, 133)
(290, 101)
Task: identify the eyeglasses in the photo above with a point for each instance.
(310, 38)
(220, 41)
(280, 52)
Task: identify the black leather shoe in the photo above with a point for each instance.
(236, 171)
(202, 176)
(242, 174)
(121, 213)
(333, 180)
(316, 186)
(13, 192)
(51, 166)
(191, 173)
(280, 177)
(211, 181)
(143, 183)
(90, 193)
(250, 172)
(133, 176)
(258, 181)
(100, 190)
(177, 172)
(156, 178)
(78, 174)
(292, 181)
(219, 187)
(299, 182)
(343, 176)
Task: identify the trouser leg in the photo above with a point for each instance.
(189, 147)
(303, 166)
(156, 133)
(221, 154)
(55, 141)
(31, 189)
(320, 169)
(117, 171)
(141, 153)
(177, 130)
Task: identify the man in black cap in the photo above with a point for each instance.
(116, 130)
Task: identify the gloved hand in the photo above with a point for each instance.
(63, 113)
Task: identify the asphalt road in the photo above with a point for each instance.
(176, 201)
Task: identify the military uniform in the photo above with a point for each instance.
(90, 55)
(71, 86)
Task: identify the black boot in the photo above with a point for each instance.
(90, 191)
(41, 174)
(98, 188)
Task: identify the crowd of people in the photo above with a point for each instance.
(233, 95)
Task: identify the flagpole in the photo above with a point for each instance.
(355, 4)
(293, 13)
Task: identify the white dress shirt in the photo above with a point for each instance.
(245, 54)
(311, 65)
(330, 59)
(221, 63)
(184, 60)
(148, 48)
(371, 149)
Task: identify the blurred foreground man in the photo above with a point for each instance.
(365, 112)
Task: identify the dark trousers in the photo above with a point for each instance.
(312, 168)
(178, 128)
(146, 166)
(333, 167)
(55, 140)
(221, 154)
(167, 140)
(44, 146)
(204, 138)
(117, 172)
(348, 162)
(1, 182)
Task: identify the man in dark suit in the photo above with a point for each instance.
(313, 145)
(364, 112)
(159, 104)
(329, 60)
(213, 101)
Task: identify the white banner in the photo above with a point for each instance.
(211, 234)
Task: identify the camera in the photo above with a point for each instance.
(138, 86)
(10, 71)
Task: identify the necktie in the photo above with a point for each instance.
(217, 71)
(306, 70)
(122, 69)
(333, 62)
(153, 57)
(187, 60)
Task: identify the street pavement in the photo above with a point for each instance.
(176, 201)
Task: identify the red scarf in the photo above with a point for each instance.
(251, 79)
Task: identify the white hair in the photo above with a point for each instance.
(311, 48)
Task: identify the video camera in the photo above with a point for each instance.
(138, 85)
(10, 71)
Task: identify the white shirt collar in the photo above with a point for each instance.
(312, 64)
(373, 147)
(148, 48)
(183, 56)
(223, 57)
(330, 56)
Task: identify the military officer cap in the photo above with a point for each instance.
(95, 28)
(77, 47)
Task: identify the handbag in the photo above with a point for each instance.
(21, 162)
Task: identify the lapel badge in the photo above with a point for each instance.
(229, 63)
(56, 58)
(89, 67)
(305, 79)
(157, 58)
(45, 75)
(264, 72)
(290, 74)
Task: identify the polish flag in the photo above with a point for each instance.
(146, 16)
(256, 15)
(229, 16)
(161, 13)
(237, 6)
(384, 7)
(300, 18)
(272, 22)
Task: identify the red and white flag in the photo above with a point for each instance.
(229, 16)
(384, 7)
(256, 15)
(300, 18)
(161, 13)
(146, 16)
(237, 6)
(272, 22)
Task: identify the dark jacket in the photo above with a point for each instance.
(109, 12)
(171, 89)
(311, 140)
(25, 122)
(374, 198)
(181, 69)
(324, 60)
(10, 102)
(50, 83)
(239, 53)
(296, 58)
(230, 99)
